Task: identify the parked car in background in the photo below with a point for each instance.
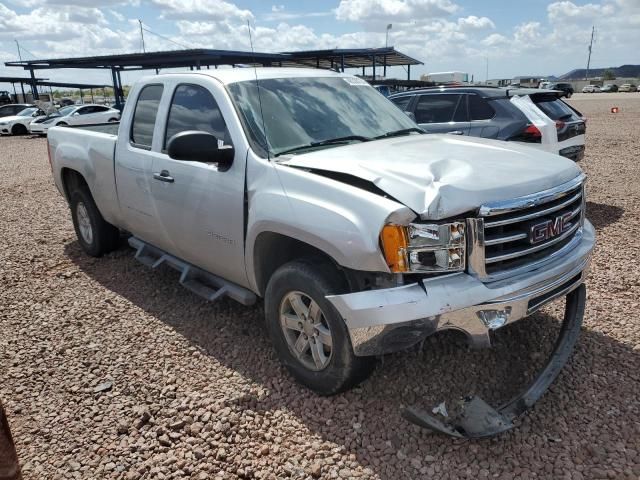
(609, 87)
(5, 97)
(19, 124)
(529, 115)
(77, 115)
(565, 88)
(591, 89)
(65, 102)
(14, 108)
(628, 87)
(363, 235)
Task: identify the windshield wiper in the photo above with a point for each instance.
(397, 133)
(329, 141)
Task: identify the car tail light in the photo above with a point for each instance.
(530, 134)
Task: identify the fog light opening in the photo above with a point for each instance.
(494, 319)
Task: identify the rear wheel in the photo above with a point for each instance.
(95, 235)
(112, 120)
(309, 335)
(568, 94)
(19, 129)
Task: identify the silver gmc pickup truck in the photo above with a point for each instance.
(362, 234)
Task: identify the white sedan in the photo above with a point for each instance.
(18, 124)
(76, 115)
(591, 89)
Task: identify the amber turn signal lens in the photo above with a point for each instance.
(394, 243)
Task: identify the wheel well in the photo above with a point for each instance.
(71, 179)
(272, 250)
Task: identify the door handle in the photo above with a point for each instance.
(163, 176)
(456, 132)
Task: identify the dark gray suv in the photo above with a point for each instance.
(489, 112)
(476, 111)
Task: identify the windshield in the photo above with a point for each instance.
(27, 112)
(303, 111)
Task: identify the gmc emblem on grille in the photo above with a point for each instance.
(539, 232)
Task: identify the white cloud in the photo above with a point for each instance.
(277, 8)
(199, 10)
(473, 22)
(389, 10)
(495, 40)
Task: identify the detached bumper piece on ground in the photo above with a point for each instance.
(477, 419)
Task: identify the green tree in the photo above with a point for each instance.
(608, 75)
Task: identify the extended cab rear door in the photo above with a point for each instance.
(133, 162)
(201, 207)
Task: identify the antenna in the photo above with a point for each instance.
(593, 31)
(19, 54)
(255, 71)
(142, 36)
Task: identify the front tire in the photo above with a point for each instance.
(308, 334)
(95, 235)
(568, 94)
(19, 129)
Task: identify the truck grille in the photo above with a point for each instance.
(519, 235)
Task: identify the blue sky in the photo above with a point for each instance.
(516, 38)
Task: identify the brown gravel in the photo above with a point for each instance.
(109, 370)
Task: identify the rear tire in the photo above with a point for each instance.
(325, 363)
(568, 95)
(19, 129)
(95, 235)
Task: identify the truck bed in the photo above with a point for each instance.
(90, 151)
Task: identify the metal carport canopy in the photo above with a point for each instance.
(337, 59)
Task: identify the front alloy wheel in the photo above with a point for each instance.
(306, 330)
(308, 334)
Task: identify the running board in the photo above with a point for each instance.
(204, 284)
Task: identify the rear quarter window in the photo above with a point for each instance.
(554, 108)
(144, 116)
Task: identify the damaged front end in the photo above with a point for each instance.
(475, 418)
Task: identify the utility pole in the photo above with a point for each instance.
(142, 36)
(593, 31)
(486, 78)
(19, 54)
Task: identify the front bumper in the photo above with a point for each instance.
(388, 320)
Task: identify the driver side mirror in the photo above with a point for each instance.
(197, 146)
(411, 115)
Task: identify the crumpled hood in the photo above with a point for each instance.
(439, 176)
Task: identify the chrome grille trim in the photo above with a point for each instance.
(528, 201)
(485, 265)
(537, 248)
(529, 216)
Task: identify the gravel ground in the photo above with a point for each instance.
(110, 370)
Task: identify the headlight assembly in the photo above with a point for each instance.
(425, 248)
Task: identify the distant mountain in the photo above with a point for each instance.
(625, 71)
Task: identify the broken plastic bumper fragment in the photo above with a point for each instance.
(476, 418)
(387, 320)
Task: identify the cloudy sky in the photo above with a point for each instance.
(515, 37)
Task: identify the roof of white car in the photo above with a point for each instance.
(232, 75)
